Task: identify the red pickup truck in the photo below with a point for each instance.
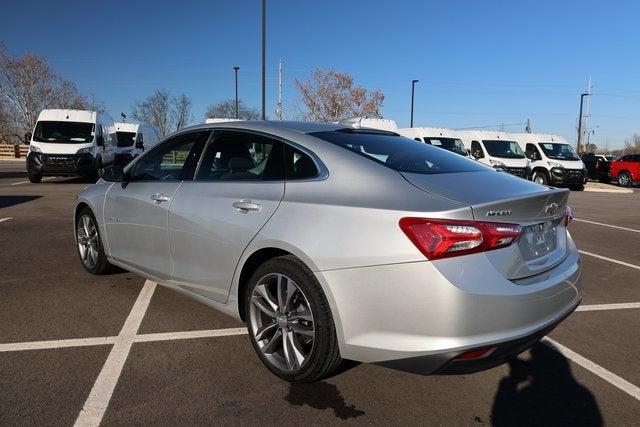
(626, 170)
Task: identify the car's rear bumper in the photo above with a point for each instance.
(418, 317)
(60, 164)
(562, 176)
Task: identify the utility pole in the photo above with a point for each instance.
(279, 107)
(582, 95)
(587, 110)
(236, 70)
(413, 90)
(264, 58)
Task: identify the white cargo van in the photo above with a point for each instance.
(553, 160)
(132, 140)
(69, 142)
(443, 138)
(498, 150)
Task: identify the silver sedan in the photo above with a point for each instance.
(336, 243)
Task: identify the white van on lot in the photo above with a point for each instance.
(553, 160)
(69, 142)
(498, 150)
(446, 139)
(131, 140)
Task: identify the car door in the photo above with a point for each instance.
(239, 185)
(136, 211)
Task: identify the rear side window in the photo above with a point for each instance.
(298, 165)
(241, 156)
(399, 153)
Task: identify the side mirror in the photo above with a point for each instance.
(100, 141)
(140, 144)
(27, 138)
(477, 154)
(112, 173)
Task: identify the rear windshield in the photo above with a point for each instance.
(558, 151)
(63, 132)
(400, 153)
(450, 144)
(504, 149)
(126, 139)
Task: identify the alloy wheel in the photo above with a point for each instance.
(281, 322)
(87, 238)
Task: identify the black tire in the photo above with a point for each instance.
(541, 176)
(324, 358)
(35, 177)
(101, 265)
(624, 179)
(577, 187)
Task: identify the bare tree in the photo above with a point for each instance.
(227, 110)
(330, 95)
(27, 86)
(163, 113)
(632, 144)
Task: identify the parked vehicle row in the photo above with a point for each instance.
(79, 142)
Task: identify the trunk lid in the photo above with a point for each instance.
(499, 197)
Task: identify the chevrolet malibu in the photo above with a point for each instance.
(336, 243)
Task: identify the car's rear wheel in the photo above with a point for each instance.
(624, 179)
(540, 178)
(90, 248)
(290, 322)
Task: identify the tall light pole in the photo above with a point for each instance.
(264, 58)
(582, 95)
(236, 70)
(413, 90)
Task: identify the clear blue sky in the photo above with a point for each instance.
(479, 62)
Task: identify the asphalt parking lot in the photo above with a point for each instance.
(118, 350)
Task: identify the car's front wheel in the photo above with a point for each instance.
(540, 178)
(290, 322)
(90, 247)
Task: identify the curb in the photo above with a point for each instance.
(612, 190)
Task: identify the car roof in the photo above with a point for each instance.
(271, 125)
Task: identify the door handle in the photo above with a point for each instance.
(159, 198)
(246, 205)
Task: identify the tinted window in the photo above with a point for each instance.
(504, 149)
(63, 132)
(532, 152)
(298, 165)
(125, 139)
(241, 156)
(174, 160)
(450, 144)
(476, 149)
(399, 153)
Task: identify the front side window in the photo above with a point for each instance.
(174, 160)
(399, 153)
(126, 139)
(63, 132)
(241, 156)
(476, 149)
(503, 149)
(558, 151)
(451, 144)
(532, 152)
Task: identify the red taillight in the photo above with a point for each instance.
(568, 216)
(475, 354)
(437, 238)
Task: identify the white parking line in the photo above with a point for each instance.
(606, 375)
(210, 333)
(607, 225)
(603, 307)
(5, 219)
(41, 345)
(615, 261)
(27, 182)
(98, 400)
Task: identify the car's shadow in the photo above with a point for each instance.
(322, 395)
(6, 201)
(542, 391)
(13, 174)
